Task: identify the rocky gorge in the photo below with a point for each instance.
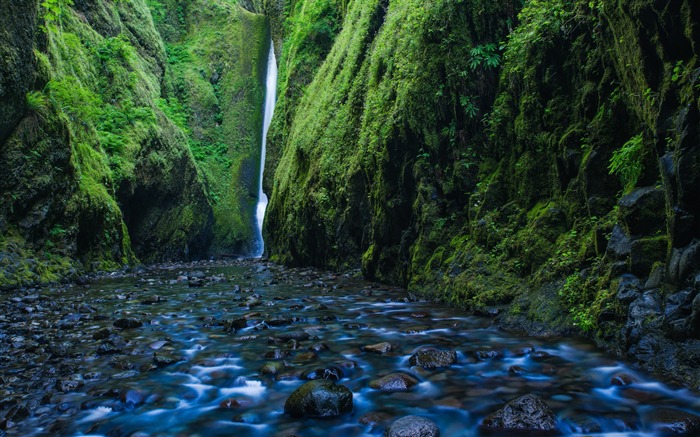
(532, 162)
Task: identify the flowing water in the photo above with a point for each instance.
(215, 385)
(270, 97)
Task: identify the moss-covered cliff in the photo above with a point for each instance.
(533, 161)
(123, 139)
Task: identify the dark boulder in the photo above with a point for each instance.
(644, 211)
(433, 358)
(319, 398)
(526, 413)
(413, 426)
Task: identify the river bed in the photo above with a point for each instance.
(216, 350)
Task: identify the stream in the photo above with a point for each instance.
(210, 349)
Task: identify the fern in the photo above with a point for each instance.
(627, 162)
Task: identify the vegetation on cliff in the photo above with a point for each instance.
(121, 146)
(519, 159)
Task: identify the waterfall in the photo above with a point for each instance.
(270, 95)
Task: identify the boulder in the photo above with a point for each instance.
(413, 426)
(319, 398)
(527, 413)
(433, 358)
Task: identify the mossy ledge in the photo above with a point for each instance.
(536, 164)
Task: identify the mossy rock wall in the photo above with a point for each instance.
(516, 163)
(130, 133)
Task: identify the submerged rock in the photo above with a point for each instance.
(379, 348)
(671, 421)
(394, 382)
(526, 413)
(319, 398)
(413, 426)
(128, 323)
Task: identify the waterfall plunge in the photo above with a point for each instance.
(270, 95)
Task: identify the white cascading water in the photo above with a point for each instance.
(270, 97)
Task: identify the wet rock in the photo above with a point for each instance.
(517, 370)
(584, 425)
(374, 418)
(619, 244)
(128, 323)
(277, 354)
(628, 289)
(305, 357)
(333, 373)
(644, 313)
(526, 413)
(132, 398)
(672, 421)
(108, 348)
(643, 210)
(102, 334)
(354, 325)
(413, 426)
(319, 398)
(293, 335)
(684, 261)
(151, 300)
(420, 314)
(235, 403)
(621, 379)
(415, 329)
(433, 358)
(488, 354)
(379, 348)
(68, 385)
(540, 355)
(271, 368)
(163, 360)
(281, 320)
(695, 317)
(233, 325)
(318, 347)
(394, 382)
(248, 417)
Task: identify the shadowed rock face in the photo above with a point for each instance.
(17, 29)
